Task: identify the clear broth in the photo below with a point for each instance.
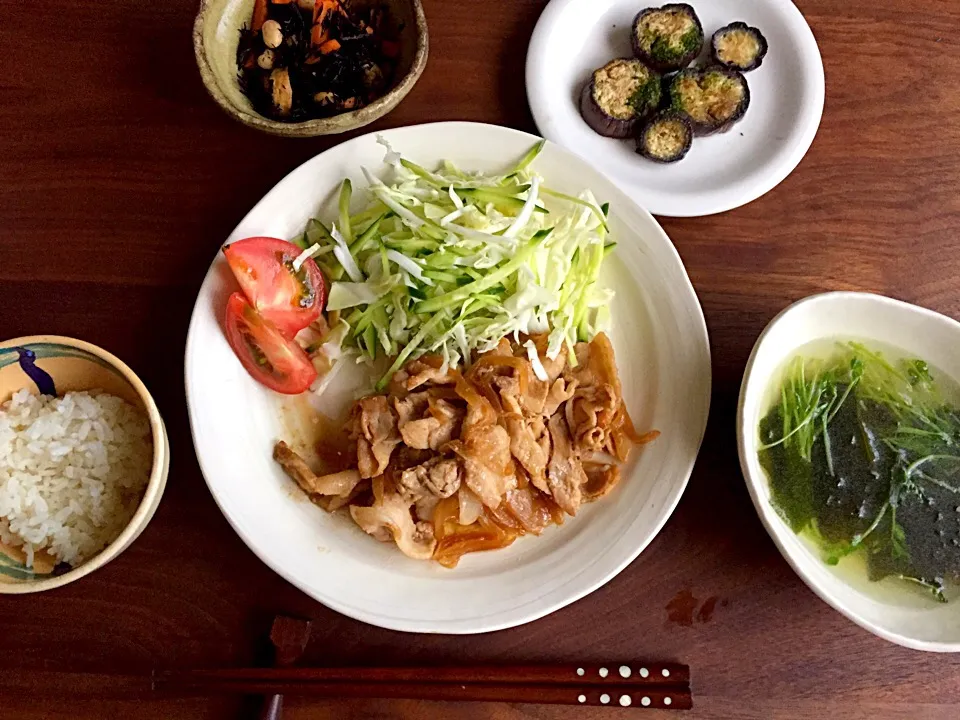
(852, 569)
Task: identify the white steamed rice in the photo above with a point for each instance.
(72, 472)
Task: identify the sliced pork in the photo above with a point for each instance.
(565, 475)
(450, 462)
(375, 427)
(426, 422)
(487, 464)
(391, 519)
(339, 484)
(439, 477)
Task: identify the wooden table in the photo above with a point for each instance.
(120, 179)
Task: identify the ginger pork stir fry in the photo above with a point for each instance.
(449, 462)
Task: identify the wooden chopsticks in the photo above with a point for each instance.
(641, 685)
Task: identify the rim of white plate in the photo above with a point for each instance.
(556, 597)
(650, 198)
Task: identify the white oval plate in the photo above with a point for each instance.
(661, 342)
(890, 608)
(722, 171)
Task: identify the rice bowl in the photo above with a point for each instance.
(76, 524)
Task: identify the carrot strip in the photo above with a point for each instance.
(330, 46)
(323, 7)
(322, 11)
(318, 36)
(259, 15)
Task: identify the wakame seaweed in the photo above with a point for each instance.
(864, 456)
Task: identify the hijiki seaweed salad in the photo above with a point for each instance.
(863, 456)
(495, 407)
(303, 59)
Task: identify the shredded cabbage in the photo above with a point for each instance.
(534, 356)
(449, 262)
(304, 256)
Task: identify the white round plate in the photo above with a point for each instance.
(661, 344)
(722, 171)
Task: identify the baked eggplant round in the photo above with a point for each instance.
(714, 98)
(738, 46)
(667, 38)
(666, 137)
(618, 96)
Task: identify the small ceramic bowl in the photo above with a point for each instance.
(216, 34)
(889, 608)
(74, 365)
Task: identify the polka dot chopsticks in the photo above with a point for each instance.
(633, 685)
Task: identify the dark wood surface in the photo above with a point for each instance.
(119, 178)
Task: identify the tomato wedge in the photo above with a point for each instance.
(272, 359)
(264, 268)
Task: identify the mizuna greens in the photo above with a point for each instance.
(863, 455)
(449, 262)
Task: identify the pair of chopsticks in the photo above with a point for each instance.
(633, 684)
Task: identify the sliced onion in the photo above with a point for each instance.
(470, 506)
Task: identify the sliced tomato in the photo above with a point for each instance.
(264, 268)
(272, 359)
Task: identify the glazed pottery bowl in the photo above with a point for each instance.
(892, 609)
(216, 34)
(53, 364)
